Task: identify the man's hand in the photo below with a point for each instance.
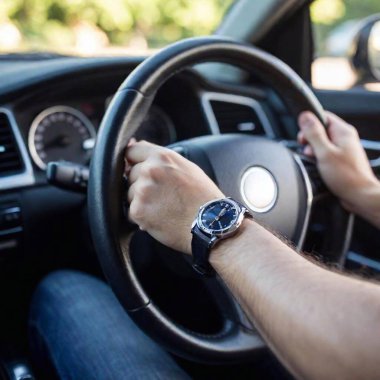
(165, 193)
(341, 161)
(331, 332)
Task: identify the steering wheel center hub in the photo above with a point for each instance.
(259, 189)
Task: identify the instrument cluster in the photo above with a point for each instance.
(67, 133)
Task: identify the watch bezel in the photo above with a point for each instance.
(228, 230)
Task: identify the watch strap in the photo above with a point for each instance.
(201, 245)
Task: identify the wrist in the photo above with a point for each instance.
(218, 220)
(227, 250)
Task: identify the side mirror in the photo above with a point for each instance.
(365, 52)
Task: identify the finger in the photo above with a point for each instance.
(131, 193)
(131, 142)
(315, 133)
(338, 129)
(333, 118)
(131, 219)
(127, 167)
(140, 151)
(134, 173)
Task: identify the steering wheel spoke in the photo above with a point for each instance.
(330, 227)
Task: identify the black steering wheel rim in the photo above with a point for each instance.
(107, 188)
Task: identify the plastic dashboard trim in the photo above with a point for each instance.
(27, 177)
(207, 97)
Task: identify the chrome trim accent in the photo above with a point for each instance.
(27, 177)
(309, 200)
(347, 239)
(207, 97)
(8, 244)
(374, 146)
(370, 144)
(10, 210)
(375, 163)
(45, 113)
(11, 231)
(363, 260)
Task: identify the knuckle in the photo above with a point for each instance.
(142, 142)
(153, 172)
(164, 155)
(136, 212)
(144, 193)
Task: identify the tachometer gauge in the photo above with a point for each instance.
(61, 133)
(157, 128)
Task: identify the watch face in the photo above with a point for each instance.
(219, 216)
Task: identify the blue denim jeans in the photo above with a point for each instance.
(78, 330)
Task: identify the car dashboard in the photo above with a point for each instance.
(51, 110)
(58, 120)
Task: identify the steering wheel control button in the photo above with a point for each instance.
(259, 189)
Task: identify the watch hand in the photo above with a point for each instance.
(222, 212)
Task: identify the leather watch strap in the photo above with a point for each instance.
(200, 246)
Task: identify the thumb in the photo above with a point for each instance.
(314, 133)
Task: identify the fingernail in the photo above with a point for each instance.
(131, 141)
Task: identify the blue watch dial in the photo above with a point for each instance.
(219, 216)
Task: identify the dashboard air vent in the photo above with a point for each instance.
(234, 117)
(10, 159)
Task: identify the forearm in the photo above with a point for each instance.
(367, 204)
(318, 322)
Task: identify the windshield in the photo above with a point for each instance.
(92, 27)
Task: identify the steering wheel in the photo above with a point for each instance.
(227, 159)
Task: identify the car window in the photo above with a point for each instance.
(335, 24)
(92, 27)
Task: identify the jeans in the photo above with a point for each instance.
(78, 330)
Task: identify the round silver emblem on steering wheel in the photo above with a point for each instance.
(259, 189)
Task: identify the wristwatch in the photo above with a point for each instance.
(216, 220)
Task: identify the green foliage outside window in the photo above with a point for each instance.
(53, 24)
(328, 14)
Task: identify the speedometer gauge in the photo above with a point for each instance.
(157, 128)
(61, 133)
